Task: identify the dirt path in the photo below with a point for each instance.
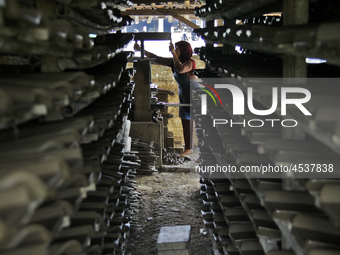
(167, 199)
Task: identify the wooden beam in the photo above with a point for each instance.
(160, 11)
(186, 21)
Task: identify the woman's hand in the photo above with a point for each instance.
(136, 47)
(172, 48)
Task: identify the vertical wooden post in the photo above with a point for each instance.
(142, 51)
(210, 24)
(219, 23)
(209, 46)
(142, 90)
(295, 12)
(227, 48)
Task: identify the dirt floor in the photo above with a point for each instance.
(167, 199)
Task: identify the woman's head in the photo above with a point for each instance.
(185, 50)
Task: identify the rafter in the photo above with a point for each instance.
(159, 11)
(186, 21)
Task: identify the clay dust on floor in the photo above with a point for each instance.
(167, 199)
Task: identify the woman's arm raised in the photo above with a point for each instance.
(160, 60)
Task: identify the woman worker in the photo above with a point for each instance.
(182, 67)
